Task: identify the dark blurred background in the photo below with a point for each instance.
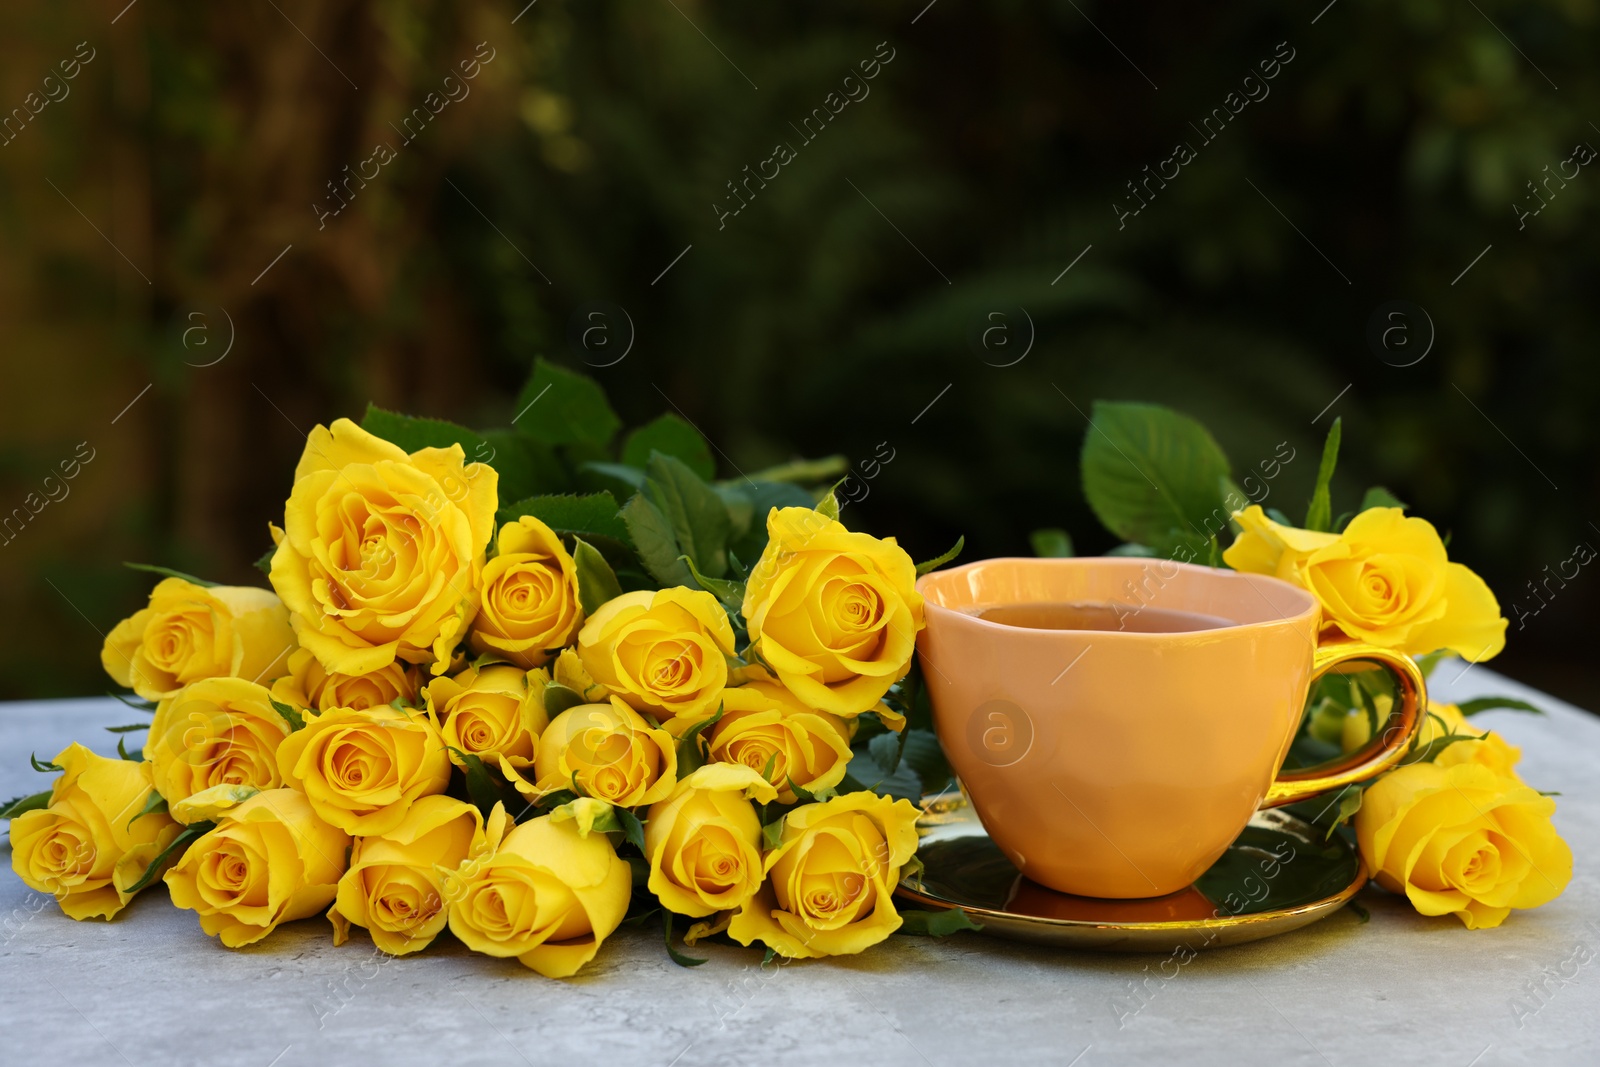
(900, 284)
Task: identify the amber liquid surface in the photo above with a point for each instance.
(1127, 618)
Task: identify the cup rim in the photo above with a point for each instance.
(1310, 606)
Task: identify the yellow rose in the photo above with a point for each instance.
(664, 652)
(1386, 580)
(361, 769)
(393, 886)
(830, 882)
(220, 731)
(835, 614)
(1461, 840)
(704, 841)
(763, 726)
(1491, 751)
(189, 632)
(493, 713)
(90, 844)
(606, 751)
(530, 596)
(269, 861)
(308, 685)
(382, 553)
(547, 894)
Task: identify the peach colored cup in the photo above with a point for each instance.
(1122, 764)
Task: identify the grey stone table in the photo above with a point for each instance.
(150, 988)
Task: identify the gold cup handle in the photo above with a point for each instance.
(1378, 754)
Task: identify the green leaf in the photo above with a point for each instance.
(597, 582)
(292, 716)
(153, 803)
(804, 471)
(593, 517)
(1427, 663)
(940, 560)
(562, 407)
(1133, 550)
(654, 541)
(1319, 514)
(691, 752)
(696, 514)
(919, 923)
(632, 828)
(17, 805)
(1473, 707)
(869, 770)
(131, 757)
(1379, 497)
(729, 594)
(772, 834)
(525, 467)
(1051, 543)
(671, 436)
(412, 433)
(41, 766)
(264, 562)
(759, 498)
(921, 751)
(187, 835)
(679, 958)
(1154, 477)
(1349, 802)
(130, 728)
(631, 477)
(168, 572)
(1360, 910)
(483, 787)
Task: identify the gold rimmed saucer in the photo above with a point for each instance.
(1278, 876)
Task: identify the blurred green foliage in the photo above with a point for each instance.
(874, 298)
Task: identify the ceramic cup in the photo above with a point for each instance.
(1111, 763)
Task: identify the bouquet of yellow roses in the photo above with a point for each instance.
(482, 695)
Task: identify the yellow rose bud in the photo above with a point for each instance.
(382, 552)
(308, 685)
(361, 769)
(493, 713)
(831, 880)
(220, 731)
(1386, 580)
(189, 632)
(530, 596)
(1461, 840)
(90, 844)
(547, 894)
(606, 751)
(393, 886)
(763, 726)
(1491, 750)
(704, 841)
(834, 613)
(269, 861)
(664, 652)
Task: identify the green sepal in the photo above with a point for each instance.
(1473, 707)
(597, 582)
(1360, 910)
(42, 766)
(559, 698)
(679, 958)
(483, 788)
(131, 757)
(920, 923)
(1319, 513)
(295, 719)
(1349, 802)
(263, 562)
(153, 803)
(168, 572)
(771, 954)
(940, 560)
(1379, 497)
(828, 503)
(130, 728)
(772, 834)
(136, 703)
(1051, 543)
(17, 805)
(184, 838)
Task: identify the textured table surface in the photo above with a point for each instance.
(150, 988)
